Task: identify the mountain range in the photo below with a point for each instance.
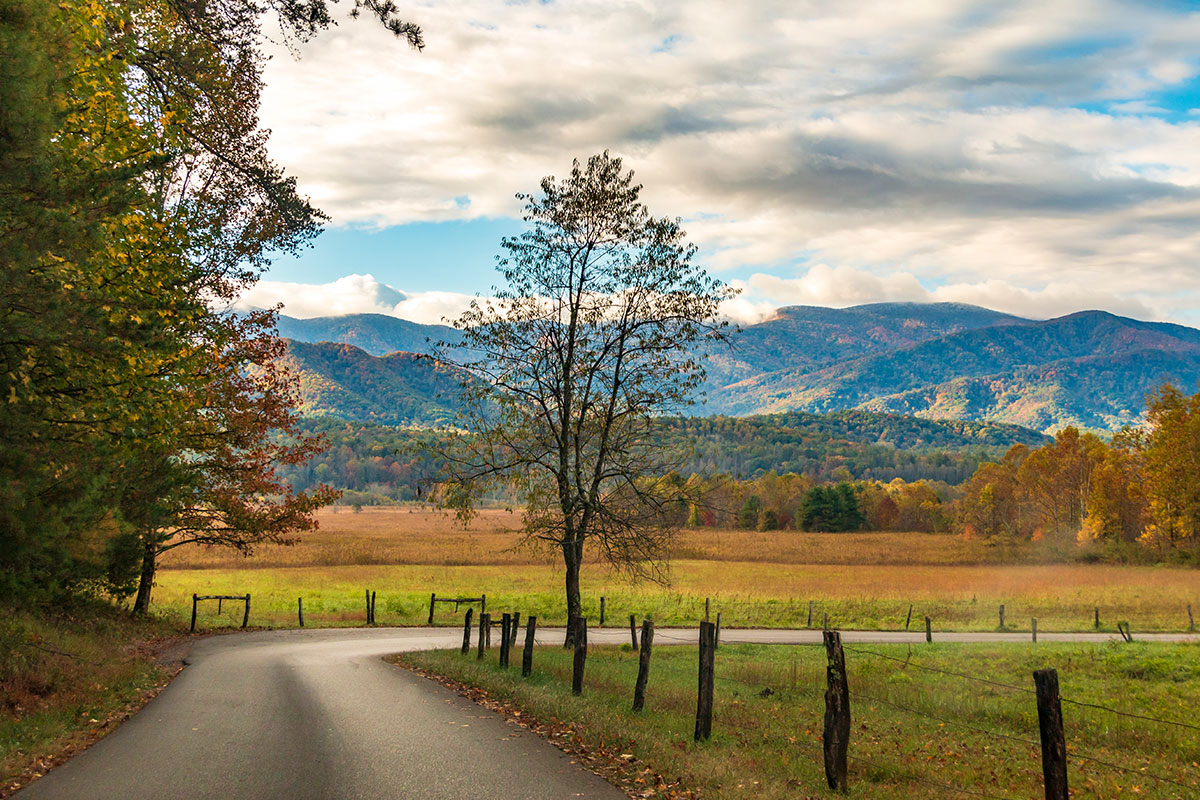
(1091, 369)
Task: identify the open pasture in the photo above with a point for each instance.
(864, 580)
(923, 725)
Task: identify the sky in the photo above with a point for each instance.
(1038, 158)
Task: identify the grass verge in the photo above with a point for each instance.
(916, 732)
(67, 678)
(871, 597)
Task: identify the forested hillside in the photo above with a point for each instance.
(380, 463)
(1092, 370)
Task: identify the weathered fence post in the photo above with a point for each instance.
(928, 629)
(1123, 629)
(1050, 723)
(368, 602)
(633, 632)
(810, 604)
(908, 619)
(706, 604)
(300, 610)
(580, 641)
(246, 615)
(1191, 620)
(1033, 625)
(704, 695)
(1097, 617)
(639, 688)
(194, 601)
(516, 627)
(717, 637)
(1001, 616)
(372, 606)
(466, 645)
(837, 713)
(487, 634)
(527, 653)
(825, 622)
(483, 626)
(220, 601)
(505, 625)
(601, 611)
(432, 600)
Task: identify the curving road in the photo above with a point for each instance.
(317, 715)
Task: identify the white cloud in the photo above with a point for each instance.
(957, 143)
(354, 294)
(841, 286)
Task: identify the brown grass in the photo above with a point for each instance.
(420, 536)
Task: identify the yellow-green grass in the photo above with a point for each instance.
(768, 708)
(965, 598)
(66, 678)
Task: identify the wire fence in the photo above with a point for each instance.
(762, 683)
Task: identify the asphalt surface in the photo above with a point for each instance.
(317, 714)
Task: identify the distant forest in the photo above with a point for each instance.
(379, 464)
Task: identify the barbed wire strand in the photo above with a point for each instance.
(963, 675)
(934, 717)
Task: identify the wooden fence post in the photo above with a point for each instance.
(516, 627)
(633, 632)
(908, 619)
(809, 625)
(368, 592)
(505, 625)
(837, 713)
(527, 654)
(580, 655)
(487, 634)
(1097, 617)
(706, 603)
(1002, 616)
(466, 645)
(717, 636)
(928, 629)
(601, 611)
(483, 626)
(300, 609)
(246, 615)
(825, 622)
(1050, 724)
(704, 694)
(432, 600)
(1033, 625)
(220, 601)
(194, 601)
(1191, 620)
(639, 688)
(482, 603)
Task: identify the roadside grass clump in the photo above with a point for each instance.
(68, 676)
(917, 730)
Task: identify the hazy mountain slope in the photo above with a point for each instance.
(397, 389)
(807, 337)
(377, 334)
(1090, 368)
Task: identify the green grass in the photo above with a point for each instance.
(872, 597)
(66, 678)
(768, 711)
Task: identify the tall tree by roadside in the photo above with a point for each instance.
(590, 338)
(1171, 463)
(136, 200)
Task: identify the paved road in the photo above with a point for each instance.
(317, 715)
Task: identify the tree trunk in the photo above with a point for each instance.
(571, 558)
(141, 606)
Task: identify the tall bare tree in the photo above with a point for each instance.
(595, 335)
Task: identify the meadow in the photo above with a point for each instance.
(922, 727)
(862, 580)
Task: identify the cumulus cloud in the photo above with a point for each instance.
(354, 294)
(953, 143)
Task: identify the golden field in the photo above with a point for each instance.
(865, 580)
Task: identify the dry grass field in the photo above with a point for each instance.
(416, 536)
(863, 580)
